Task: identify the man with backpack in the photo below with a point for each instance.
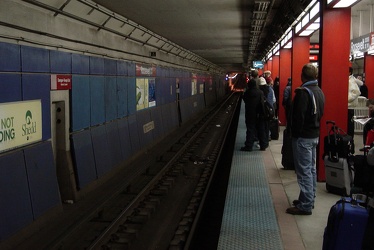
(307, 110)
(254, 112)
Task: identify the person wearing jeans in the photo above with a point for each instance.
(307, 110)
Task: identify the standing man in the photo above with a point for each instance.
(254, 75)
(308, 106)
(254, 101)
(267, 76)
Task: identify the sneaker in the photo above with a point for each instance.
(362, 149)
(248, 149)
(297, 211)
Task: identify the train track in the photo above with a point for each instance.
(161, 207)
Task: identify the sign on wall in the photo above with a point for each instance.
(60, 82)
(193, 84)
(145, 86)
(20, 124)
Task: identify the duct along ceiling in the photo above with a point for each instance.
(228, 33)
(224, 34)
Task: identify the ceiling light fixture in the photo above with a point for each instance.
(341, 3)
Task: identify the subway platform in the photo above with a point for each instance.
(259, 192)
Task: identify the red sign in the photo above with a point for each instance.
(60, 82)
(314, 46)
(145, 70)
(313, 58)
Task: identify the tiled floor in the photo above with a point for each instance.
(296, 232)
(310, 228)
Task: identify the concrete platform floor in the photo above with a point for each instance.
(298, 232)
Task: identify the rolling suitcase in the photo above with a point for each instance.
(274, 128)
(338, 176)
(337, 143)
(346, 225)
(287, 154)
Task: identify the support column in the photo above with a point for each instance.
(299, 57)
(369, 75)
(275, 67)
(333, 72)
(284, 74)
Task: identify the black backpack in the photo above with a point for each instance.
(269, 112)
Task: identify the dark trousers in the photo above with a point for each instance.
(263, 133)
(351, 125)
(256, 130)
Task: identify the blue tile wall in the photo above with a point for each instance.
(170, 117)
(185, 88)
(160, 99)
(11, 90)
(96, 65)
(80, 103)
(101, 150)
(15, 205)
(121, 68)
(80, 64)
(143, 117)
(34, 59)
(124, 136)
(114, 143)
(10, 59)
(134, 136)
(60, 62)
(156, 117)
(171, 93)
(110, 67)
(122, 96)
(83, 157)
(97, 99)
(131, 95)
(41, 173)
(111, 103)
(131, 69)
(38, 87)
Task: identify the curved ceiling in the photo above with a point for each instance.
(224, 34)
(228, 33)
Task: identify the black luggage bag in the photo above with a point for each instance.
(287, 154)
(337, 143)
(274, 128)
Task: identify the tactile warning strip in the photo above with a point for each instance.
(249, 219)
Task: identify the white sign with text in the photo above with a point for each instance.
(20, 124)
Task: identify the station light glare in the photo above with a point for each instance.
(288, 45)
(341, 3)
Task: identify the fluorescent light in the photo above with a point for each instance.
(306, 33)
(313, 26)
(288, 45)
(314, 11)
(345, 3)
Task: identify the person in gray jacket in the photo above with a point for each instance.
(307, 111)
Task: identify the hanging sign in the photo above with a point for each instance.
(360, 44)
(20, 124)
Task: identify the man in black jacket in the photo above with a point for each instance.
(307, 110)
(254, 110)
